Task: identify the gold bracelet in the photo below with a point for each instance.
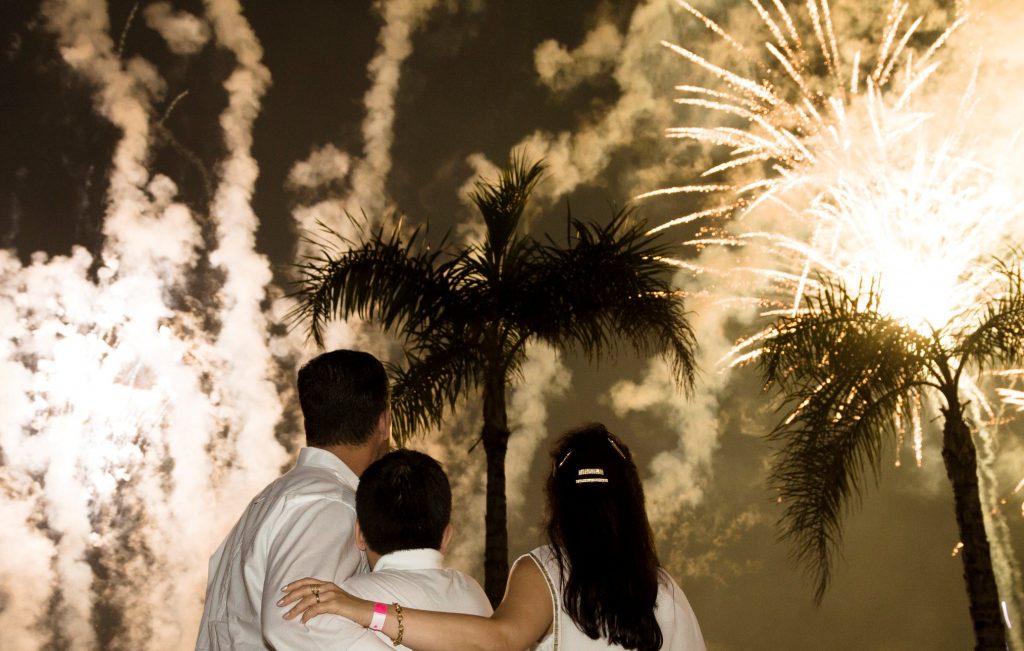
(401, 625)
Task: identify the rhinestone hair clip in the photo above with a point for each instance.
(591, 476)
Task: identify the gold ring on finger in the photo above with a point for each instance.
(315, 589)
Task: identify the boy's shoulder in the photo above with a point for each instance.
(441, 588)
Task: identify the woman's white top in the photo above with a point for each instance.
(678, 624)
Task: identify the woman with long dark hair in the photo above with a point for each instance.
(598, 585)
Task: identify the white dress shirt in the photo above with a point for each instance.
(675, 617)
(414, 578)
(302, 524)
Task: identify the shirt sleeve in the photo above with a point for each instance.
(677, 620)
(315, 537)
(343, 634)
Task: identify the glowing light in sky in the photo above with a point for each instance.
(844, 178)
(141, 387)
(867, 193)
(848, 177)
(136, 418)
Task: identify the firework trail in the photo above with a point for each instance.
(136, 417)
(363, 201)
(124, 456)
(365, 177)
(846, 176)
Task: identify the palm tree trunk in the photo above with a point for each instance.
(961, 466)
(495, 438)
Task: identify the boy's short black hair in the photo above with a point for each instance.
(343, 394)
(403, 502)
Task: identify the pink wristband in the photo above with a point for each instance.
(380, 613)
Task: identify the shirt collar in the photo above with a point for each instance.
(319, 458)
(411, 559)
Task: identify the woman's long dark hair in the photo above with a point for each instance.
(602, 540)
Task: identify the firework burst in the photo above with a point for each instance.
(841, 178)
(837, 174)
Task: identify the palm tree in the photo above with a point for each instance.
(848, 376)
(465, 314)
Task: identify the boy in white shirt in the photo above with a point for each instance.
(403, 510)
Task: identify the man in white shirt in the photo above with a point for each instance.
(303, 523)
(404, 506)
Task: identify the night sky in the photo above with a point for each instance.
(478, 83)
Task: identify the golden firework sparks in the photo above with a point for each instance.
(849, 178)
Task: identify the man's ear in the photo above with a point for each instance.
(384, 424)
(360, 540)
(446, 538)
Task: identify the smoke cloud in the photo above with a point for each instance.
(561, 69)
(719, 303)
(366, 175)
(350, 193)
(578, 157)
(121, 458)
(544, 378)
(184, 32)
(452, 445)
(369, 174)
(136, 421)
(323, 167)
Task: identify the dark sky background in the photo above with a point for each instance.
(471, 86)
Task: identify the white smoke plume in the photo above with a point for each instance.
(319, 176)
(364, 197)
(451, 445)
(27, 560)
(247, 393)
(83, 34)
(401, 20)
(184, 33)
(243, 335)
(544, 378)
(678, 475)
(562, 70)
(132, 436)
(472, 230)
(323, 167)
(580, 156)
(367, 175)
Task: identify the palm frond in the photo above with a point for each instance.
(488, 288)
(610, 285)
(394, 280)
(847, 376)
(818, 470)
(433, 379)
(501, 202)
(999, 337)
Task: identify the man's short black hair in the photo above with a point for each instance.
(343, 394)
(404, 501)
